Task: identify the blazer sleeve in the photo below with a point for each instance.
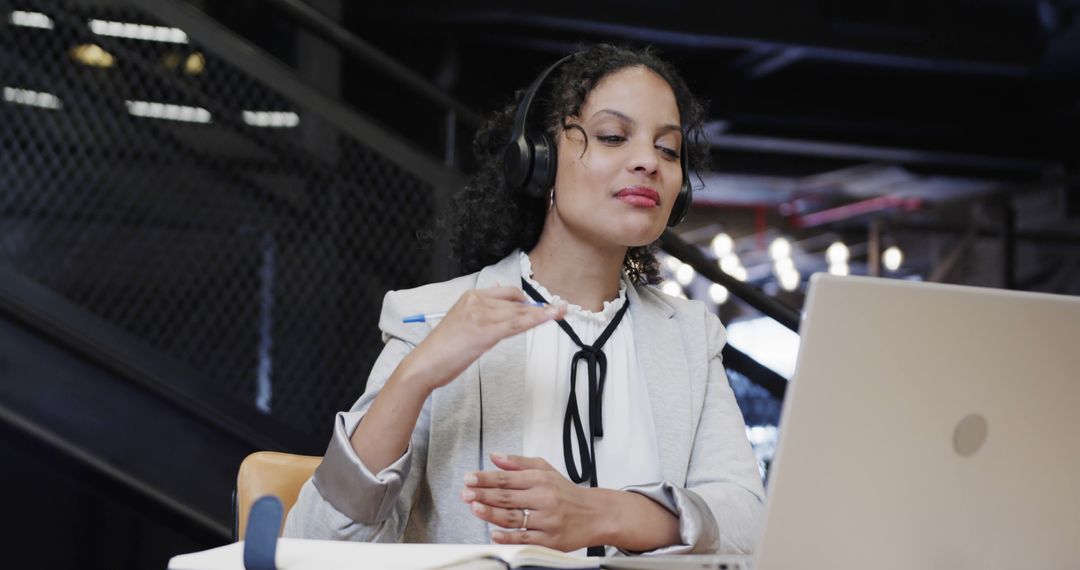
(721, 506)
(344, 500)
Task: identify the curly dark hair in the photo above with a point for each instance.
(488, 221)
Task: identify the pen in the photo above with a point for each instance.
(425, 317)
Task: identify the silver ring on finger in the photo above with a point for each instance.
(524, 519)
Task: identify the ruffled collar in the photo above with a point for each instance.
(600, 317)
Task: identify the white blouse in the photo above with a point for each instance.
(627, 453)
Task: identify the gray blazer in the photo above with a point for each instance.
(711, 477)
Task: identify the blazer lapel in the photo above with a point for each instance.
(657, 340)
(502, 376)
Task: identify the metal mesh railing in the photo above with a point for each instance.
(140, 180)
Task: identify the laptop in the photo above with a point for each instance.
(927, 426)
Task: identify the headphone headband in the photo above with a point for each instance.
(522, 114)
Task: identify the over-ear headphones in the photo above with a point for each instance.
(529, 159)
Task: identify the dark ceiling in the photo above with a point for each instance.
(999, 79)
(907, 108)
(824, 115)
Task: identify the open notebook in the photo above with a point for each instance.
(302, 554)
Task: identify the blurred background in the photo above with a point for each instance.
(203, 203)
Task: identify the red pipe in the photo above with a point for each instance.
(855, 209)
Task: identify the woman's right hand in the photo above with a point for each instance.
(477, 322)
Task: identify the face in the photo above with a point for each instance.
(619, 188)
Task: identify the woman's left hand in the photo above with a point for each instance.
(562, 515)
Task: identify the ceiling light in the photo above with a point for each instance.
(722, 245)
(30, 20)
(779, 248)
(279, 119)
(31, 98)
(789, 280)
(684, 274)
(837, 253)
(194, 64)
(171, 60)
(672, 288)
(892, 258)
(730, 263)
(671, 263)
(134, 31)
(92, 55)
(168, 111)
(718, 293)
(783, 265)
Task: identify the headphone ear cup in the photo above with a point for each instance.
(517, 162)
(686, 194)
(544, 165)
(681, 207)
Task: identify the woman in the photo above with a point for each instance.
(603, 416)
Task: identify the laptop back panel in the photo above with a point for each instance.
(929, 426)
